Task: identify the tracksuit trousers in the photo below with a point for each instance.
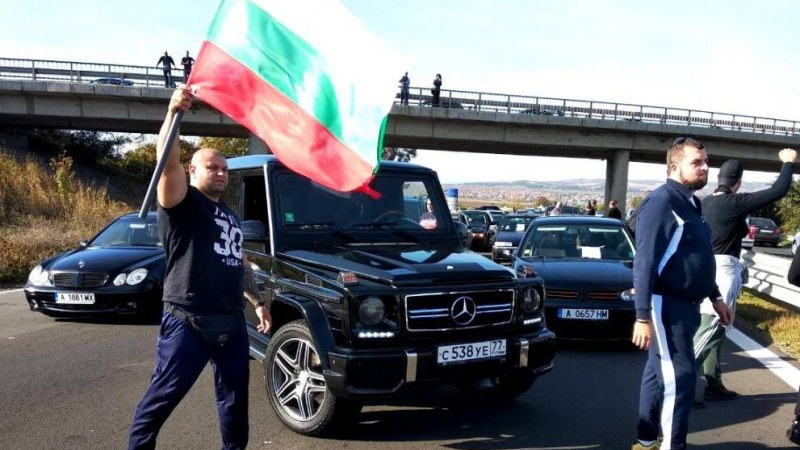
(180, 358)
(711, 334)
(668, 381)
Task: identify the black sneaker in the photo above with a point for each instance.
(793, 433)
(719, 393)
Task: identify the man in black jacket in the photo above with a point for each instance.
(726, 211)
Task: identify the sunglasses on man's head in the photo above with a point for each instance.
(682, 139)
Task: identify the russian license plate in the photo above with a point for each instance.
(448, 354)
(582, 314)
(75, 298)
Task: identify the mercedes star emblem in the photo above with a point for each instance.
(463, 310)
(81, 263)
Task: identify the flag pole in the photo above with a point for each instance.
(151, 190)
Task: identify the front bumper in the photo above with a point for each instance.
(106, 301)
(618, 325)
(382, 372)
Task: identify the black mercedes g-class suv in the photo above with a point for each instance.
(366, 301)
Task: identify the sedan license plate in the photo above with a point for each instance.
(582, 314)
(766, 232)
(75, 298)
(448, 354)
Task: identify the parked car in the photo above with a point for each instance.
(764, 231)
(121, 270)
(488, 208)
(509, 233)
(795, 242)
(566, 210)
(538, 110)
(587, 266)
(497, 217)
(366, 302)
(459, 218)
(480, 224)
(112, 80)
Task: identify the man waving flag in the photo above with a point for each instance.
(294, 74)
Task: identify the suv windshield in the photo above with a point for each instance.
(398, 202)
(577, 241)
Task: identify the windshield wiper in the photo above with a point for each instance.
(387, 226)
(327, 226)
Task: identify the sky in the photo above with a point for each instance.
(731, 56)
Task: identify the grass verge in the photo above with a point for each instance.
(773, 322)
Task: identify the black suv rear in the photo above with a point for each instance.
(365, 301)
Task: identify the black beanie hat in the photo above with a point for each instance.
(730, 172)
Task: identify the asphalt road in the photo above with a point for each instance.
(786, 252)
(74, 384)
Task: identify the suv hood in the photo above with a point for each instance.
(404, 265)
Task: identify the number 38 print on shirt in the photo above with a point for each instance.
(229, 245)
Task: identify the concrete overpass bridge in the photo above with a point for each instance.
(62, 94)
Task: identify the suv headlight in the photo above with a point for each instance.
(531, 300)
(626, 295)
(39, 277)
(371, 311)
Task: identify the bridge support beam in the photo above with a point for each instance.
(256, 146)
(617, 179)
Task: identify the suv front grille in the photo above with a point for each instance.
(442, 311)
(79, 279)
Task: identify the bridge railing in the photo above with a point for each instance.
(83, 72)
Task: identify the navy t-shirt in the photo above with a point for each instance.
(203, 244)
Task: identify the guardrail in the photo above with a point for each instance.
(768, 276)
(83, 72)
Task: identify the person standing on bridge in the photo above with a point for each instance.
(167, 64)
(673, 273)
(405, 84)
(726, 211)
(437, 89)
(187, 62)
(205, 282)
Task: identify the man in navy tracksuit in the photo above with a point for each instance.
(673, 273)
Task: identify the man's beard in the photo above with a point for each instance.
(698, 184)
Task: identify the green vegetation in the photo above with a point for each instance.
(44, 210)
(789, 209)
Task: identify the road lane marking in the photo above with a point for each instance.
(10, 291)
(782, 369)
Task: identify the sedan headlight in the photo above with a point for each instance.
(371, 311)
(531, 300)
(626, 295)
(39, 277)
(502, 244)
(137, 276)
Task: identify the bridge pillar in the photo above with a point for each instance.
(256, 146)
(617, 179)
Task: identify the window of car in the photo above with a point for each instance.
(761, 222)
(477, 217)
(516, 224)
(577, 241)
(129, 231)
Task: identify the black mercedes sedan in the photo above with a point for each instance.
(121, 270)
(587, 266)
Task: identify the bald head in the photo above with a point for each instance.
(208, 172)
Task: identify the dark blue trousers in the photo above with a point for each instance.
(669, 377)
(180, 358)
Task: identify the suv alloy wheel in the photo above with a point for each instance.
(296, 387)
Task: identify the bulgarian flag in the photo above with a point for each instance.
(305, 76)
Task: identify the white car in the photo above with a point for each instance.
(795, 242)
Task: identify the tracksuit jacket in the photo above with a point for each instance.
(673, 272)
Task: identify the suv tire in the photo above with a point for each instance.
(504, 387)
(296, 387)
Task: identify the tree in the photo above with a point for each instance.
(85, 147)
(229, 147)
(788, 208)
(636, 201)
(141, 161)
(399, 154)
(541, 200)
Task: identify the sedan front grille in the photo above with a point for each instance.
(79, 279)
(569, 294)
(442, 311)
